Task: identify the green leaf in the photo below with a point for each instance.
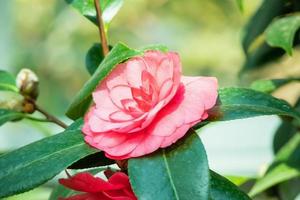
(282, 31)
(82, 100)
(94, 58)
(76, 125)
(261, 19)
(239, 103)
(223, 189)
(261, 56)
(86, 7)
(178, 172)
(269, 86)
(9, 115)
(290, 190)
(238, 180)
(254, 30)
(285, 166)
(283, 134)
(61, 192)
(286, 130)
(36, 163)
(7, 82)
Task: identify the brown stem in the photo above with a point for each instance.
(50, 117)
(103, 39)
(68, 174)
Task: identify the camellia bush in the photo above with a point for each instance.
(135, 120)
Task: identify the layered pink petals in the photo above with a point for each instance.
(116, 188)
(145, 104)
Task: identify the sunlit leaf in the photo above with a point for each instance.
(282, 31)
(269, 86)
(86, 7)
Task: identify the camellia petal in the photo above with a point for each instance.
(146, 104)
(116, 188)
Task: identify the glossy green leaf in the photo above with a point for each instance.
(86, 7)
(76, 125)
(268, 10)
(82, 100)
(282, 31)
(239, 103)
(285, 131)
(7, 82)
(223, 189)
(257, 51)
(36, 163)
(269, 86)
(285, 166)
(94, 58)
(9, 115)
(178, 172)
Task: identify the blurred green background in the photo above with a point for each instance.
(52, 39)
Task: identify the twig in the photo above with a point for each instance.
(36, 119)
(50, 117)
(68, 174)
(103, 38)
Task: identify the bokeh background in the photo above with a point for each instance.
(52, 39)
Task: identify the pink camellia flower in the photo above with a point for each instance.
(116, 188)
(145, 104)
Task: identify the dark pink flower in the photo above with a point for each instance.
(145, 104)
(116, 188)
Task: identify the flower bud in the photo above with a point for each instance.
(27, 81)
